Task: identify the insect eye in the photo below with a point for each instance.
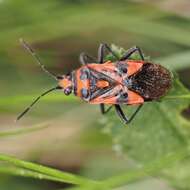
(67, 91)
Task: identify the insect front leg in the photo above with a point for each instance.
(101, 52)
(86, 59)
(122, 115)
(103, 110)
(131, 51)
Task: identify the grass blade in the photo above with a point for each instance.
(26, 173)
(56, 174)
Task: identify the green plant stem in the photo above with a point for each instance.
(59, 175)
(174, 97)
(26, 173)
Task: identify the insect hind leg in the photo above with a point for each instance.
(132, 51)
(86, 59)
(101, 52)
(122, 115)
(103, 110)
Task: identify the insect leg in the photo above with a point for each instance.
(131, 51)
(103, 110)
(86, 59)
(101, 50)
(122, 115)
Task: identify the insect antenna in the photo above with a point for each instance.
(36, 57)
(36, 100)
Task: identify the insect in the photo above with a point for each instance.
(123, 82)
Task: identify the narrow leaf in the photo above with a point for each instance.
(62, 176)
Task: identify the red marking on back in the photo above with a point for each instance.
(100, 67)
(102, 84)
(107, 100)
(114, 95)
(108, 68)
(133, 66)
(134, 98)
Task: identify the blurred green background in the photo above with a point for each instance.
(76, 137)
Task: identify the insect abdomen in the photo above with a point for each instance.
(151, 82)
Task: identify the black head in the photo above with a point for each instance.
(151, 82)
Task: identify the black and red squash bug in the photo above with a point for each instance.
(114, 83)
